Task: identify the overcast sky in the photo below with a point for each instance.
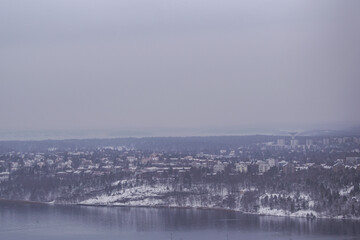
(120, 64)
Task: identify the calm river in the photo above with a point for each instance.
(36, 222)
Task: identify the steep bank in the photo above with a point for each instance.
(247, 200)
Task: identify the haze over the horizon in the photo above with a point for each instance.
(178, 64)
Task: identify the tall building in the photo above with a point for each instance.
(281, 142)
(294, 142)
(326, 141)
(242, 167)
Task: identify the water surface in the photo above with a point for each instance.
(28, 221)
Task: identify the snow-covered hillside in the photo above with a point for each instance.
(208, 196)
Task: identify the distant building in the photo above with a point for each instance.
(4, 176)
(352, 160)
(131, 158)
(145, 160)
(264, 167)
(198, 164)
(289, 168)
(309, 142)
(294, 142)
(232, 154)
(338, 167)
(326, 141)
(219, 167)
(241, 167)
(281, 142)
(282, 163)
(273, 162)
(49, 162)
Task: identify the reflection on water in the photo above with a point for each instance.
(25, 221)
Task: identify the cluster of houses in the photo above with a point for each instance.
(105, 160)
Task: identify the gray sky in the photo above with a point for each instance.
(84, 64)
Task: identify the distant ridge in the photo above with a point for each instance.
(353, 131)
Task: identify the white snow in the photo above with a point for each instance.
(115, 183)
(272, 212)
(280, 212)
(141, 195)
(157, 195)
(346, 191)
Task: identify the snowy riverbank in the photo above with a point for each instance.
(162, 196)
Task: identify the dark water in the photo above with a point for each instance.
(25, 221)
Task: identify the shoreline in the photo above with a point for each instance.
(215, 209)
(22, 202)
(52, 203)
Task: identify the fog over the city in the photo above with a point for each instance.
(84, 64)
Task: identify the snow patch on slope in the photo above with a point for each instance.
(346, 191)
(141, 195)
(280, 212)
